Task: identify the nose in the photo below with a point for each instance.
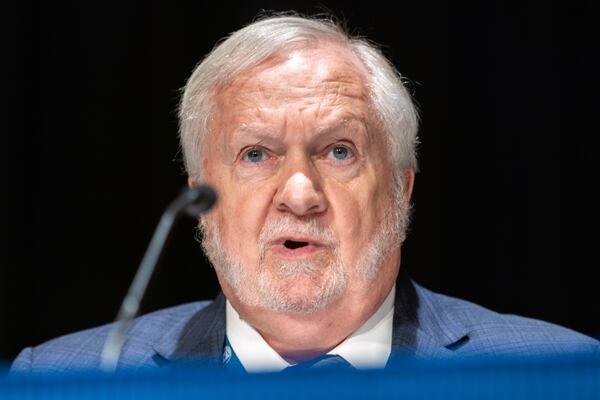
(300, 195)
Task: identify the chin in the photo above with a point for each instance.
(301, 293)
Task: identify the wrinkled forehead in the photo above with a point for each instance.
(303, 70)
(323, 85)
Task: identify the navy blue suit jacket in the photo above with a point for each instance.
(426, 325)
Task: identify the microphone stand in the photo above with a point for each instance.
(192, 201)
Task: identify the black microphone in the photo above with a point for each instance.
(193, 202)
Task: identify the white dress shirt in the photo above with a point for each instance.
(368, 347)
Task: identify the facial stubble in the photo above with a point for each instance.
(306, 285)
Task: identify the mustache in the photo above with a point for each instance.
(289, 225)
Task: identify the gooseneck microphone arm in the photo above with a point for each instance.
(192, 201)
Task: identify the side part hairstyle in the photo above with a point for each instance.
(265, 38)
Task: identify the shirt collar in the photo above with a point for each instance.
(368, 347)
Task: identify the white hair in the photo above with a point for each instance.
(265, 38)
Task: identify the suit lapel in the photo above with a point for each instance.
(199, 338)
(421, 329)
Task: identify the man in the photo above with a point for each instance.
(309, 136)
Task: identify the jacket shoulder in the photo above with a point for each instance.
(82, 350)
(476, 330)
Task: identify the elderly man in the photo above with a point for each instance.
(309, 136)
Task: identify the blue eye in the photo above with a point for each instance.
(255, 156)
(341, 153)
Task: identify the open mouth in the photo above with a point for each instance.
(296, 247)
(292, 244)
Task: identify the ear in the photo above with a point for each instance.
(409, 181)
(191, 181)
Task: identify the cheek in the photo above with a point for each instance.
(358, 213)
(350, 215)
(242, 216)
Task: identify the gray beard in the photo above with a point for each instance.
(271, 287)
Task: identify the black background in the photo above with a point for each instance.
(506, 201)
